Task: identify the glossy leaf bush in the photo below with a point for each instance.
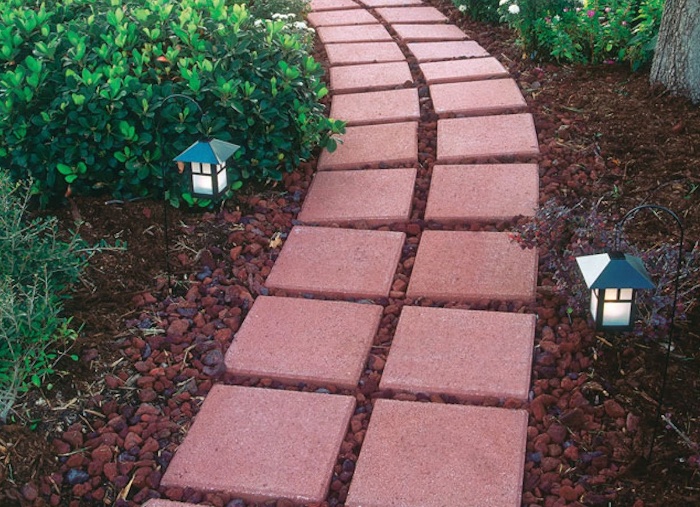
(86, 91)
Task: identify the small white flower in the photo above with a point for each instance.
(299, 25)
(514, 9)
(462, 8)
(501, 2)
(557, 17)
(258, 23)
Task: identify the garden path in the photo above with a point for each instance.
(397, 68)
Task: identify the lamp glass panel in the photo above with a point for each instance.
(196, 168)
(222, 178)
(202, 184)
(626, 294)
(594, 304)
(611, 295)
(617, 314)
(206, 168)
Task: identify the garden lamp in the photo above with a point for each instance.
(613, 279)
(207, 167)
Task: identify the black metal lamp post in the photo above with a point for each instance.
(614, 278)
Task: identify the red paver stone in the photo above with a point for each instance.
(369, 197)
(355, 33)
(433, 455)
(450, 50)
(468, 354)
(411, 15)
(331, 5)
(376, 107)
(462, 70)
(260, 444)
(472, 266)
(390, 3)
(357, 78)
(477, 97)
(168, 503)
(293, 339)
(481, 137)
(363, 52)
(425, 33)
(482, 192)
(337, 262)
(389, 144)
(339, 18)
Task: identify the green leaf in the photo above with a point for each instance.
(36, 380)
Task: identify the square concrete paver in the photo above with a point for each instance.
(369, 197)
(477, 97)
(429, 32)
(376, 107)
(472, 266)
(449, 50)
(261, 444)
(363, 52)
(337, 262)
(462, 70)
(354, 33)
(367, 145)
(168, 503)
(390, 3)
(479, 193)
(432, 455)
(342, 17)
(480, 137)
(358, 78)
(331, 5)
(423, 14)
(304, 340)
(468, 354)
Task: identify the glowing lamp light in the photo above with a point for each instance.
(207, 167)
(614, 279)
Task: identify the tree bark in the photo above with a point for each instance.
(676, 63)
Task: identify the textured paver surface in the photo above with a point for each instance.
(376, 107)
(477, 97)
(356, 33)
(337, 262)
(261, 443)
(356, 78)
(167, 503)
(371, 197)
(342, 17)
(428, 32)
(421, 14)
(388, 144)
(468, 354)
(363, 52)
(419, 454)
(325, 5)
(462, 70)
(431, 51)
(468, 266)
(390, 3)
(279, 335)
(482, 137)
(486, 192)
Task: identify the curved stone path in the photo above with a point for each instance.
(262, 444)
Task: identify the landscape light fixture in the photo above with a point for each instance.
(614, 279)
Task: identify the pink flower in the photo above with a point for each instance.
(590, 13)
(607, 9)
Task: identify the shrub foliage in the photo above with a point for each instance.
(83, 85)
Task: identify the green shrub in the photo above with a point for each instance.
(479, 10)
(266, 9)
(83, 83)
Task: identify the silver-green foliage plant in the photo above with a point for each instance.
(84, 83)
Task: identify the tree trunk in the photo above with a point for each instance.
(676, 63)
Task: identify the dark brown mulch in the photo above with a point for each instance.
(114, 418)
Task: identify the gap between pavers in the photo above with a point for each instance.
(422, 14)
(434, 455)
(482, 137)
(337, 262)
(368, 108)
(472, 266)
(454, 71)
(482, 193)
(332, 5)
(449, 50)
(428, 32)
(363, 146)
(304, 340)
(368, 198)
(341, 18)
(359, 78)
(472, 355)
(354, 33)
(261, 444)
(363, 52)
(476, 98)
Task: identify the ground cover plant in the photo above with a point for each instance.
(85, 84)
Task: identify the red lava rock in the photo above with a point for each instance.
(558, 433)
(178, 327)
(539, 405)
(568, 493)
(613, 409)
(549, 464)
(132, 440)
(75, 438)
(103, 454)
(571, 453)
(110, 471)
(632, 422)
(29, 491)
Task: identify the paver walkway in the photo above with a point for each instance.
(339, 271)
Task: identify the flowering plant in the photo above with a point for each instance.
(479, 10)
